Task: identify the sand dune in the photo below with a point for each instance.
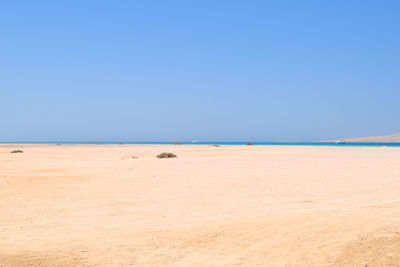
(394, 138)
(211, 206)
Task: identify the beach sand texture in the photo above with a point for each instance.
(211, 206)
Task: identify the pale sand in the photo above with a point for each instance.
(212, 206)
(394, 138)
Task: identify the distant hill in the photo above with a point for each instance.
(375, 139)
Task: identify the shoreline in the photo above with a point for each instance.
(276, 144)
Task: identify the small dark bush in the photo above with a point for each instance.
(17, 151)
(216, 145)
(166, 155)
(177, 143)
(250, 144)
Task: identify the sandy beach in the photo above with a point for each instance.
(212, 206)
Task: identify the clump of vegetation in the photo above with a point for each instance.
(178, 143)
(216, 145)
(17, 151)
(250, 144)
(166, 155)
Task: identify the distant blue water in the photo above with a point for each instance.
(220, 143)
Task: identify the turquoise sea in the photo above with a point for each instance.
(221, 143)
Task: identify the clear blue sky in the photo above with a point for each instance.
(207, 70)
